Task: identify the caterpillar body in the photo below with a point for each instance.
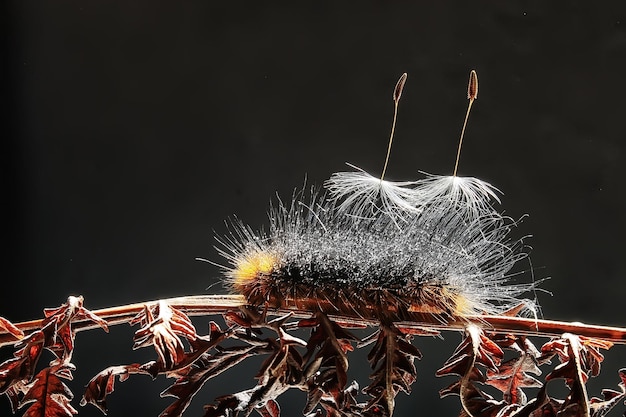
(382, 250)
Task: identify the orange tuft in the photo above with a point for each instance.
(462, 306)
(252, 266)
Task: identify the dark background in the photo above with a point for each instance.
(135, 128)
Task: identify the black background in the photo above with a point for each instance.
(135, 128)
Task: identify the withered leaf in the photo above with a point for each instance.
(393, 358)
(270, 409)
(162, 328)
(601, 407)
(104, 383)
(21, 368)
(48, 396)
(580, 357)
(203, 369)
(72, 309)
(313, 398)
(475, 349)
(326, 348)
(513, 375)
(55, 335)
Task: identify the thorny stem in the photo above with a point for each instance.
(202, 305)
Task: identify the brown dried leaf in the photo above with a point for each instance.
(57, 329)
(513, 375)
(21, 368)
(580, 358)
(477, 403)
(223, 408)
(313, 398)
(203, 369)
(475, 349)
(14, 393)
(327, 346)
(49, 396)
(321, 372)
(270, 409)
(72, 309)
(281, 374)
(162, 327)
(104, 383)
(280, 371)
(600, 407)
(393, 359)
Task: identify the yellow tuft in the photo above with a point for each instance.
(252, 266)
(463, 306)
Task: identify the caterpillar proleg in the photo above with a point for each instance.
(382, 249)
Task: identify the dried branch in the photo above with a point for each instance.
(202, 305)
(317, 365)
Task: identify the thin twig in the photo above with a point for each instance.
(203, 305)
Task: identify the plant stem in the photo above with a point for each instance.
(203, 305)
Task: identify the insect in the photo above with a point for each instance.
(383, 250)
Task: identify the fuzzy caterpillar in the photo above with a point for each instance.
(437, 262)
(382, 250)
